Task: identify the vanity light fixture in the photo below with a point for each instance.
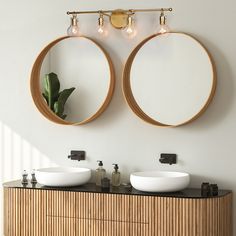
(119, 19)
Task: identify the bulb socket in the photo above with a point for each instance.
(74, 20)
(162, 19)
(101, 20)
(130, 21)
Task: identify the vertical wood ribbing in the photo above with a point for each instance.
(60, 213)
(6, 211)
(24, 212)
(195, 217)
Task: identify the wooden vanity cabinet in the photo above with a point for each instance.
(36, 212)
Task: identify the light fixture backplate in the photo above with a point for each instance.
(119, 18)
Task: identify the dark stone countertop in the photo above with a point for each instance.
(128, 190)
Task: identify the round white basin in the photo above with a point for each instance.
(63, 176)
(159, 181)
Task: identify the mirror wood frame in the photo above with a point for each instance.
(37, 93)
(129, 97)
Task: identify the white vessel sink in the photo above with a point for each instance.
(159, 181)
(63, 176)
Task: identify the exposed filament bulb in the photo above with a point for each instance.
(101, 28)
(130, 31)
(163, 27)
(73, 29)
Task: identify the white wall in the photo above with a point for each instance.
(206, 148)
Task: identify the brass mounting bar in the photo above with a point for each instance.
(125, 11)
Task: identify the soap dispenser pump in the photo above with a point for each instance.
(100, 173)
(115, 176)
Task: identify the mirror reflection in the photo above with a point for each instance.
(75, 78)
(169, 79)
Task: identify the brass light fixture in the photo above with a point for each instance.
(119, 19)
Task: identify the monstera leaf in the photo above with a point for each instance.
(51, 86)
(56, 100)
(60, 103)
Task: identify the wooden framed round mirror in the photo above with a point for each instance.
(82, 68)
(169, 79)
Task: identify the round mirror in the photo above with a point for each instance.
(72, 80)
(169, 79)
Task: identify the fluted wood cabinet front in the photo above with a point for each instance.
(29, 212)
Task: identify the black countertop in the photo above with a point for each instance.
(128, 190)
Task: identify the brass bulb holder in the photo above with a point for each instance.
(74, 20)
(101, 20)
(130, 21)
(162, 18)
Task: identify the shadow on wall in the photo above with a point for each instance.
(16, 155)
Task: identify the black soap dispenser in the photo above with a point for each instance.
(115, 179)
(100, 173)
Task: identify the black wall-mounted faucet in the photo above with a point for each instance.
(77, 155)
(168, 158)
